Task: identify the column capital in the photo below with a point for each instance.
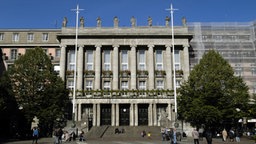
(62, 45)
(133, 45)
(185, 45)
(151, 46)
(98, 45)
(80, 45)
(115, 45)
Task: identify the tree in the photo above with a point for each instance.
(37, 89)
(212, 95)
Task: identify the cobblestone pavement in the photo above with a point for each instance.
(132, 141)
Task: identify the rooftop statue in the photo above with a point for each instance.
(167, 20)
(184, 21)
(116, 21)
(149, 21)
(65, 21)
(98, 22)
(82, 22)
(133, 21)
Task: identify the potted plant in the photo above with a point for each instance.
(125, 73)
(107, 73)
(70, 72)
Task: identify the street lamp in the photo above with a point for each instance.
(74, 88)
(171, 9)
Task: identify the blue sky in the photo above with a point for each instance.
(50, 13)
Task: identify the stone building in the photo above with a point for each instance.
(124, 74)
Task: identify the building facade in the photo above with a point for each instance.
(124, 75)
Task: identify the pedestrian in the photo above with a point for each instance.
(174, 136)
(201, 131)
(81, 136)
(163, 133)
(231, 135)
(208, 136)
(237, 134)
(60, 133)
(195, 135)
(56, 136)
(35, 135)
(224, 135)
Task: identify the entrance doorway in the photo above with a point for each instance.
(124, 114)
(105, 114)
(143, 114)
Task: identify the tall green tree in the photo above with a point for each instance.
(212, 96)
(38, 90)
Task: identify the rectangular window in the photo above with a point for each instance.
(106, 85)
(14, 54)
(70, 84)
(124, 59)
(45, 37)
(30, 37)
(57, 53)
(89, 60)
(88, 84)
(142, 60)
(159, 84)
(124, 85)
(159, 60)
(107, 60)
(142, 85)
(71, 60)
(1, 36)
(15, 37)
(177, 59)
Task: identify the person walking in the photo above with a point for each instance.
(195, 136)
(237, 134)
(174, 136)
(224, 135)
(208, 136)
(35, 135)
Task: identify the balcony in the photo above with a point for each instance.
(89, 73)
(142, 73)
(160, 73)
(106, 74)
(124, 74)
(122, 94)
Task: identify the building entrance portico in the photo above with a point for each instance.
(105, 114)
(124, 116)
(143, 114)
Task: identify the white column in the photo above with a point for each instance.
(133, 66)
(151, 67)
(136, 115)
(154, 114)
(169, 111)
(117, 114)
(168, 68)
(79, 112)
(98, 114)
(131, 114)
(150, 116)
(98, 67)
(94, 115)
(76, 111)
(113, 115)
(80, 68)
(63, 61)
(185, 62)
(115, 67)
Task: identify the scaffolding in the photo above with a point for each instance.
(234, 41)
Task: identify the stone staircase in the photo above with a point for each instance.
(129, 132)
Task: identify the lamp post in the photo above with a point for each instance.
(171, 9)
(74, 88)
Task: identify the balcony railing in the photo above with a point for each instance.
(124, 94)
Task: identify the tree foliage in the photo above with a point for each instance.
(38, 89)
(212, 95)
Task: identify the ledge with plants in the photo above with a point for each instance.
(70, 72)
(124, 73)
(89, 73)
(142, 73)
(160, 73)
(157, 93)
(107, 73)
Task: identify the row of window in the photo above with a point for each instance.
(14, 53)
(124, 85)
(141, 57)
(30, 37)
